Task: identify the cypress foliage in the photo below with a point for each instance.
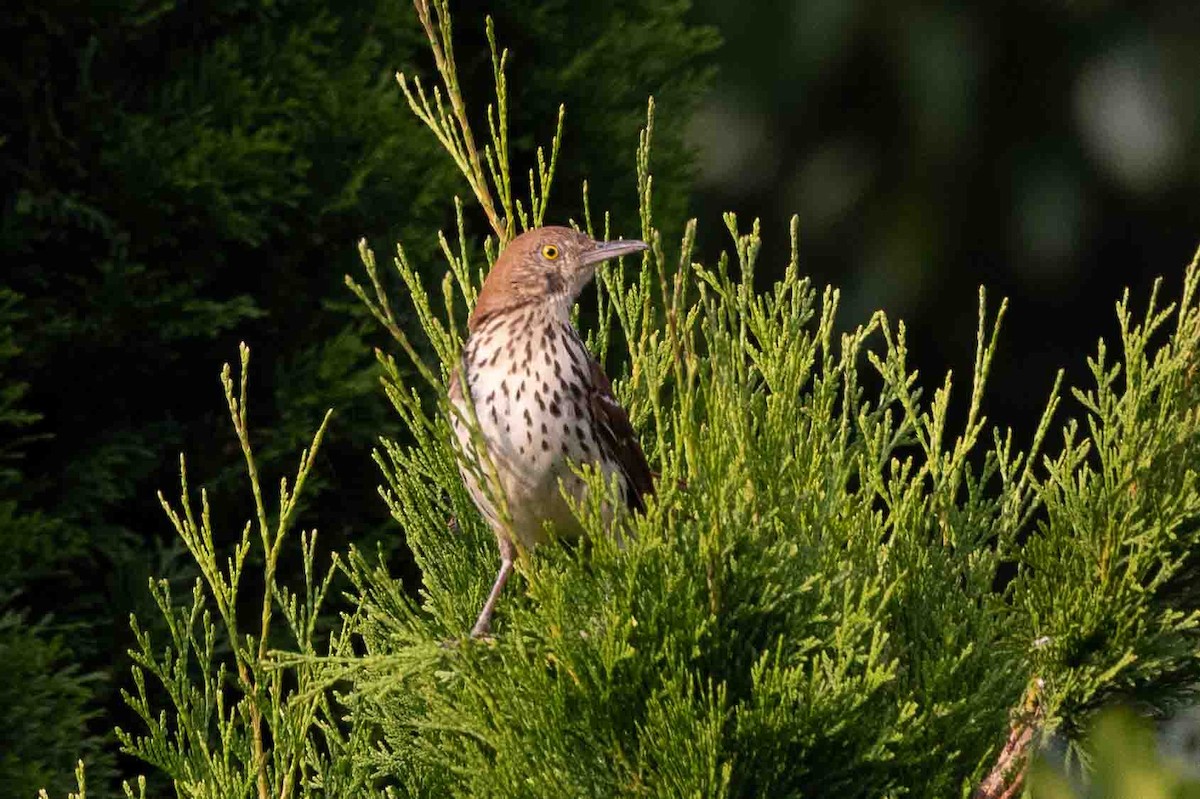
(835, 591)
(44, 693)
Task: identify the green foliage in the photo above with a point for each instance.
(44, 693)
(1108, 584)
(818, 601)
(223, 689)
(809, 606)
(48, 702)
(752, 636)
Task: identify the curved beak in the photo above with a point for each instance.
(607, 250)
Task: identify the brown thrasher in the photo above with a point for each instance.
(540, 398)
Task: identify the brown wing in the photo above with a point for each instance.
(618, 435)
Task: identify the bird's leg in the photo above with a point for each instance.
(483, 624)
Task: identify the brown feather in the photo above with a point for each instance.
(617, 431)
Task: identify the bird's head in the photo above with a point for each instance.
(546, 265)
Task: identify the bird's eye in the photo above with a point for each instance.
(549, 252)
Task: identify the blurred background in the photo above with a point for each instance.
(178, 176)
(1047, 150)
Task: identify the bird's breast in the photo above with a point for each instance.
(530, 384)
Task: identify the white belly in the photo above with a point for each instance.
(535, 420)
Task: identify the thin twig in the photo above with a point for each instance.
(437, 31)
(1007, 777)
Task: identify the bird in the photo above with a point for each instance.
(540, 399)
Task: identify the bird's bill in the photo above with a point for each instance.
(607, 250)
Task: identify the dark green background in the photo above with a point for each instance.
(1048, 150)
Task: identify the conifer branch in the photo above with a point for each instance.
(453, 129)
(262, 741)
(237, 412)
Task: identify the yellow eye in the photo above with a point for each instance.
(549, 252)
